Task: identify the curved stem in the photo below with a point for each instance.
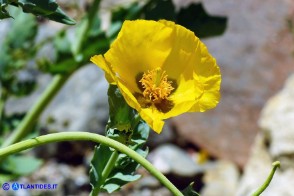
(268, 180)
(68, 136)
(26, 124)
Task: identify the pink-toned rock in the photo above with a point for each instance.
(255, 56)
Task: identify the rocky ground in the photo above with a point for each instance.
(251, 127)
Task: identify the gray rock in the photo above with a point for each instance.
(68, 179)
(167, 135)
(277, 121)
(274, 142)
(147, 182)
(253, 69)
(169, 158)
(221, 180)
(257, 170)
(21, 105)
(147, 192)
(82, 104)
(162, 192)
(144, 192)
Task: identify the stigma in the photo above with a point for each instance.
(156, 86)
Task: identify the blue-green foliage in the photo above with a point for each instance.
(194, 17)
(124, 126)
(28, 164)
(189, 191)
(121, 115)
(67, 57)
(46, 8)
(11, 167)
(203, 25)
(16, 50)
(124, 123)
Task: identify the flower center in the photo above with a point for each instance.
(156, 86)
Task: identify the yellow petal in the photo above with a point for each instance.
(183, 52)
(150, 117)
(152, 120)
(141, 45)
(208, 77)
(100, 62)
(144, 46)
(194, 73)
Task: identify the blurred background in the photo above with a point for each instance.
(225, 151)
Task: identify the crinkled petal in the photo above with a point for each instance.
(208, 78)
(141, 45)
(145, 45)
(179, 67)
(194, 73)
(152, 118)
(100, 62)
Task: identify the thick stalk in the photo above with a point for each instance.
(86, 26)
(58, 81)
(106, 171)
(1, 108)
(268, 180)
(32, 116)
(3, 97)
(69, 136)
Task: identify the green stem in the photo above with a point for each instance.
(69, 136)
(268, 180)
(1, 108)
(58, 81)
(106, 171)
(31, 117)
(86, 26)
(3, 98)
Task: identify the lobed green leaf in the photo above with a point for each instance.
(121, 114)
(126, 127)
(66, 59)
(17, 49)
(157, 10)
(194, 17)
(46, 8)
(203, 25)
(98, 163)
(28, 164)
(3, 12)
(189, 191)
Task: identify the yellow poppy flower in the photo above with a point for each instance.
(162, 70)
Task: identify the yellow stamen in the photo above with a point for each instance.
(156, 86)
